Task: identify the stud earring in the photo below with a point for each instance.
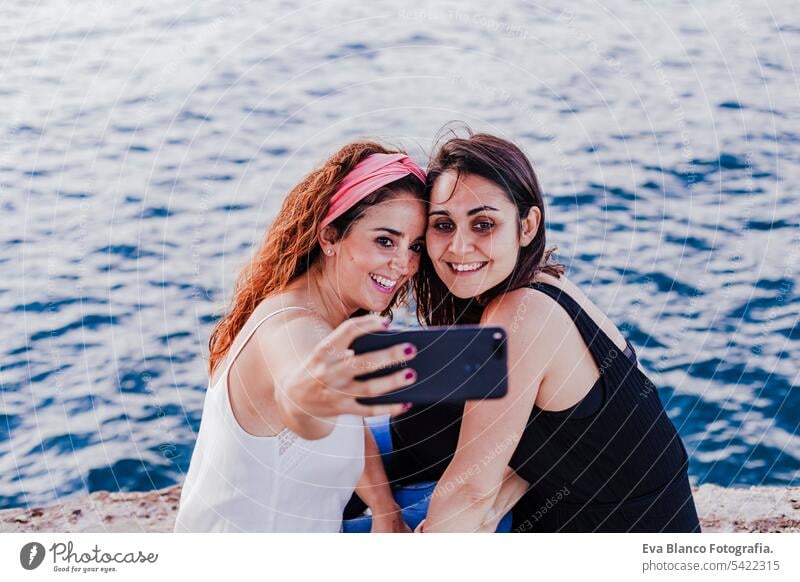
(329, 251)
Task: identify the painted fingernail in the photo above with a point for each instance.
(387, 322)
(409, 350)
(407, 406)
(410, 375)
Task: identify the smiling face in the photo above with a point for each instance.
(379, 253)
(473, 235)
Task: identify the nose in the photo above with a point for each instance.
(401, 262)
(460, 245)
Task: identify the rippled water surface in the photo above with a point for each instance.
(146, 146)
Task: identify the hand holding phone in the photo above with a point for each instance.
(452, 364)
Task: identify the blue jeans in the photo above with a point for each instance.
(412, 499)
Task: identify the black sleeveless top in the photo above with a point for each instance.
(613, 462)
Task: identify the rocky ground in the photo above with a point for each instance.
(757, 509)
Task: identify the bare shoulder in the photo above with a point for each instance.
(260, 335)
(530, 318)
(516, 307)
(291, 321)
(535, 327)
(565, 285)
(594, 312)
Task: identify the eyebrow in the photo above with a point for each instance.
(389, 230)
(395, 232)
(470, 213)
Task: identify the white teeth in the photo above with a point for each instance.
(383, 281)
(462, 267)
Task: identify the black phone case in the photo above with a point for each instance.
(453, 364)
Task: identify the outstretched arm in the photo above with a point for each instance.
(314, 373)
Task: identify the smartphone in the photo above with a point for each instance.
(453, 364)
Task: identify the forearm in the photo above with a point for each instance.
(460, 504)
(299, 421)
(512, 490)
(373, 486)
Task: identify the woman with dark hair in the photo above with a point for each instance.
(282, 442)
(582, 436)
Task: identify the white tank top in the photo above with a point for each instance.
(238, 482)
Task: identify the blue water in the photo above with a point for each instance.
(145, 147)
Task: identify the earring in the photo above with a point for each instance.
(329, 251)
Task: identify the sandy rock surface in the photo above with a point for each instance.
(755, 509)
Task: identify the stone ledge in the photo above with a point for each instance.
(721, 509)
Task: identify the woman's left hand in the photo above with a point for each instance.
(389, 520)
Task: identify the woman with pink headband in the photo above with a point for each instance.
(282, 443)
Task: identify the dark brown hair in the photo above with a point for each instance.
(290, 246)
(503, 163)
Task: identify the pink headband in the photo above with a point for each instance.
(369, 174)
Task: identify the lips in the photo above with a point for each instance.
(466, 268)
(383, 284)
